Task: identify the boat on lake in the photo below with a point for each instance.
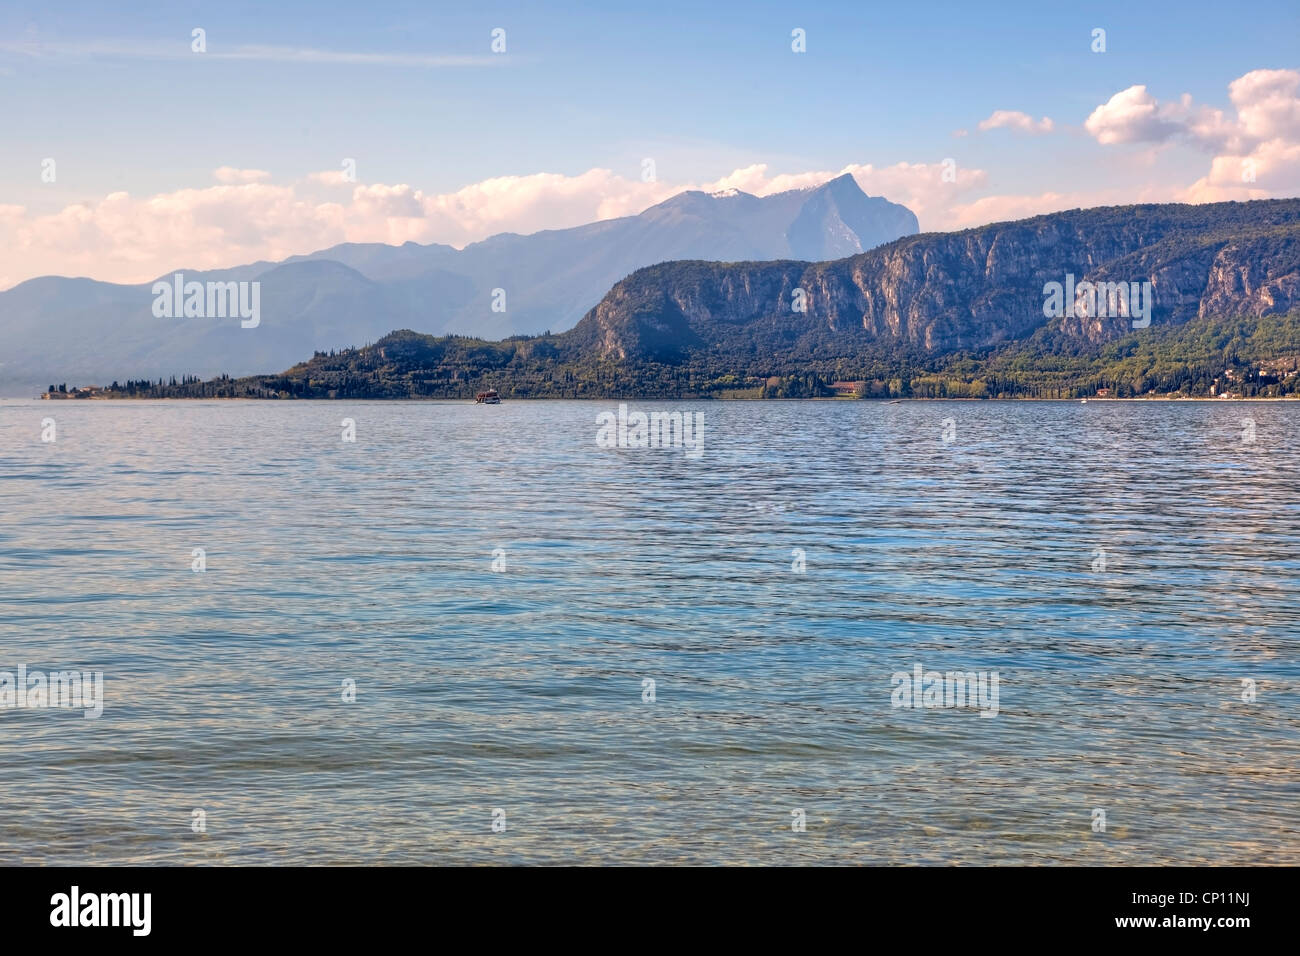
(490, 397)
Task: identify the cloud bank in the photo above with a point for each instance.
(123, 238)
(1254, 153)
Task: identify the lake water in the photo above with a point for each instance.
(1131, 572)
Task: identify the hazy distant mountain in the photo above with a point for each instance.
(552, 278)
(56, 329)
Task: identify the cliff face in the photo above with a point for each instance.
(1257, 277)
(939, 293)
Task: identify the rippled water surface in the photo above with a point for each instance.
(1121, 687)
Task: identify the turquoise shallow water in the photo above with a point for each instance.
(521, 689)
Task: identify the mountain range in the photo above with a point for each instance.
(937, 315)
(971, 290)
(55, 329)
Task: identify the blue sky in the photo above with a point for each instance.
(414, 94)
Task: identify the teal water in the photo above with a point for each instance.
(521, 689)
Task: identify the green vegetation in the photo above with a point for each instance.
(1251, 357)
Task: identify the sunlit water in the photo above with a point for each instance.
(1121, 689)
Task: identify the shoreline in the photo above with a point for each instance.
(470, 401)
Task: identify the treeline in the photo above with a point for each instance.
(1251, 357)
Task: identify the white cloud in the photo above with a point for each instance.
(1132, 116)
(1268, 107)
(1256, 153)
(123, 238)
(1015, 120)
(1268, 170)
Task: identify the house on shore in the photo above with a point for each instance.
(85, 391)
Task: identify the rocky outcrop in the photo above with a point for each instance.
(975, 289)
